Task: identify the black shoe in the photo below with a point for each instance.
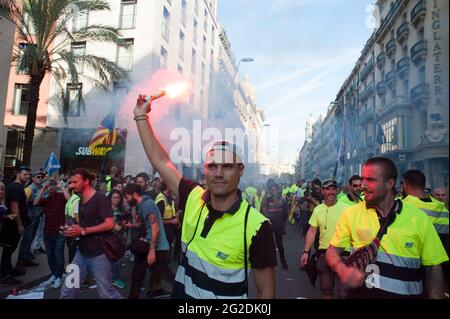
(29, 263)
(10, 280)
(158, 294)
(284, 266)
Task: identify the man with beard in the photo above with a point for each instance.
(324, 218)
(395, 255)
(95, 219)
(354, 195)
(274, 207)
(223, 237)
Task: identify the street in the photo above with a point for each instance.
(290, 284)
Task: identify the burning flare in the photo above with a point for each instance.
(172, 91)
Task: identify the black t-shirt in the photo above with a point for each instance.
(152, 193)
(93, 213)
(16, 193)
(262, 248)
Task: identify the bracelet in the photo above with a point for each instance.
(306, 252)
(141, 117)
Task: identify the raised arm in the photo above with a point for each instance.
(158, 156)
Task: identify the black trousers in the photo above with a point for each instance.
(159, 270)
(279, 242)
(10, 239)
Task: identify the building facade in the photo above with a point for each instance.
(179, 36)
(395, 101)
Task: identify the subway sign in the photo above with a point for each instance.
(77, 144)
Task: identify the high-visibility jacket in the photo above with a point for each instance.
(72, 208)
(436, 211)
(249, 195)
(346, 199)
(214, 266)
(410, 242)
(169, 208)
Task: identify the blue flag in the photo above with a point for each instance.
(52, 164)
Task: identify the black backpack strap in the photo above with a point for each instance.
(396, 209)
(245, 249)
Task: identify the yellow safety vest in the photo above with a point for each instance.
(410, 242)
(169, 209)
(214, 266)
(436, 211)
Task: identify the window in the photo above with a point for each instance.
(406, 88)
(196, 7)
(405, 51)
(181, 47)
(20, 104)
(204, 47)
(390, 133)
(125, 55)
(422, 74)
(421, 34)
(203, 73)
(195, 31)
(81, 20)
(193, 61)
(205, 20)
(74, 91)
(166, 24)
(79, 49)
(180, 69)
(183, 12)
(163, 58)
(25, 69)
(127, 14)
(407, 132)
(213, 34)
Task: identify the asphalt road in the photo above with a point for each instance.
(290, 284)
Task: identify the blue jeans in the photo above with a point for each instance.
(27, 239)
(55, 253)
(101, 268)
(117, 267)
(39, 234)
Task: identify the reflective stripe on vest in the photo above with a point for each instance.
(214, 266)
(169, 209)
(399, 286)
(398, 261)
(435, 210)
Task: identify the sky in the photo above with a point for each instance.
(303, 51)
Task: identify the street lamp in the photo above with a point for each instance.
(248, 59)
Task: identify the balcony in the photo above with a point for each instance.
(381, 88)
(397, 103)
(391, 79)
(391, 46)
(366, 69)
(368, 91)
(418, 13)
(419, 51)
(403, 66)
(403, 32)
(381, 60)
(420, 95)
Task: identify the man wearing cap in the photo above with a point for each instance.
(324, 218)
(223, 238)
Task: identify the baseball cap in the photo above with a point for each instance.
(24, 168)
(328, 183)
(224, 152)
(37, 173)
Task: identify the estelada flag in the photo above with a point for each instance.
(105, 134)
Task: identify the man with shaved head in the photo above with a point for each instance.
(222, 236)
(441, 195)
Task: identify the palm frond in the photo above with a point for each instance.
(100, 33)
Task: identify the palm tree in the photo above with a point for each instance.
(45, 47)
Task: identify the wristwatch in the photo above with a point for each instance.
(83, 232)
